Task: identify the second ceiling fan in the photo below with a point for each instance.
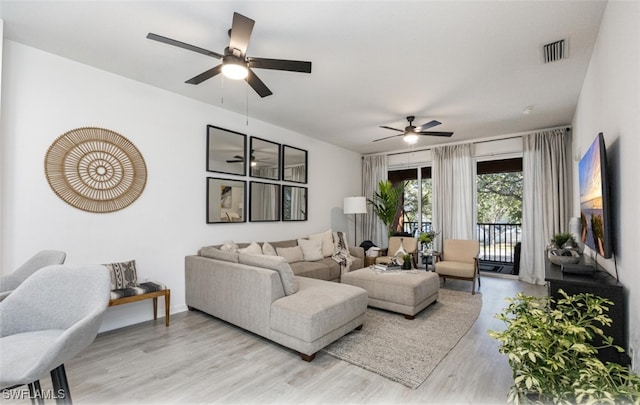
(411, 132)
(235, 62)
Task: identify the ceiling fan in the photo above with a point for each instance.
(411, 132)
(252, 160)
(235, 63)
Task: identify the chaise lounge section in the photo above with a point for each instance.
(262, 295)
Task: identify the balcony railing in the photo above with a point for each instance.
(497, 241)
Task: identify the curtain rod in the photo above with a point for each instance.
(567, 128)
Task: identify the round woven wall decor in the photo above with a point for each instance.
(95, 169)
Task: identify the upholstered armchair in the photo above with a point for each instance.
(46, 321)
(398, 246)
(459, 260)
(41, 259)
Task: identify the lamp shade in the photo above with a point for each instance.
(355, 205)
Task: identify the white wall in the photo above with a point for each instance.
(45, 95)
(610, 103)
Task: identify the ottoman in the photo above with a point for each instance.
(405, 292)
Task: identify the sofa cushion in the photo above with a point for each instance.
(327, 242)
(268, 250)
(229, 246)
(319, 269)
(123, 274)
(311, 249)
(291, 254)
(276, 263)
(215, 253)
(317, 308)
(252, 249)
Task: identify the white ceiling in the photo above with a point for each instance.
(472, 65)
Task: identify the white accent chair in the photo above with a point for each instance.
(46, 321)
(41, 259)
(459, 260)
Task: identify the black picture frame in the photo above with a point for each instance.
(264, 202)
(294, 164)
(226, 151)
(295, 203)
(264, 159)
(226, 200)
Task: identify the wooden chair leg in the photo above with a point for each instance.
(61, 386)
(167, 307)
(155, 308)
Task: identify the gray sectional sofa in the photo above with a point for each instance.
(292, 304)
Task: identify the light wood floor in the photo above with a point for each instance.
(200, 359)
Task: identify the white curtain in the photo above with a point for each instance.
(546, 198)
(374, 170)
(453, 182)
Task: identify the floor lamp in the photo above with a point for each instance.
(355, 205)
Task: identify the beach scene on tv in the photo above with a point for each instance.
(591, 213)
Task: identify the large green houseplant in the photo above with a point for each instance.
(386, 203)
(550, 346)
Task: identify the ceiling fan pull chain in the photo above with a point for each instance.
(247, 94)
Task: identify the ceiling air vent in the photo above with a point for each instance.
(555, 51)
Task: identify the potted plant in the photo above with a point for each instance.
(563, 240)
(426, 238)
(406, 261)
(562, 250)
(550, 346)
(386, 203)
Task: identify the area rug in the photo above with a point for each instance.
(407, 351)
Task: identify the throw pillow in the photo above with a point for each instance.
(327, 242)
(279, 264)
(268, 250)
(252, 249)
(292, 254)
(123, 274)
(218, 254)
(229, 246)
(311, 249)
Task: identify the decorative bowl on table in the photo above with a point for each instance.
(563, 256)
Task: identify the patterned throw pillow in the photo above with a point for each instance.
(123, 275)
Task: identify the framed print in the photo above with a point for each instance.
(225, 200)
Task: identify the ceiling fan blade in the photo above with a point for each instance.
(257, 84)
(183, 45)
(387, 137)
(241, 28)
(435, 133)
(394, 129)
(280, 64)
(234, 161)
(205, 75)
(428, 125)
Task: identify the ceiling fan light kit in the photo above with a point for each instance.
(236, 64)
(410, 138)
(234, 68)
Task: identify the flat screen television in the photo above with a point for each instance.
(595, 201)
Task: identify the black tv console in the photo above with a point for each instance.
(599, 283)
